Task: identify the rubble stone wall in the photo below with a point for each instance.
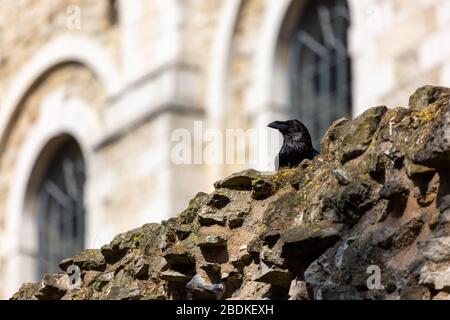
(374, 203)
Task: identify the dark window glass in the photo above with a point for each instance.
(319, 64)
(113, 12)
(60, 209)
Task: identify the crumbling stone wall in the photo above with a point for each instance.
(377, 198)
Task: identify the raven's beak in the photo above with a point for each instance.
(277, 125)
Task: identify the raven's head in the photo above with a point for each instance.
(292, 128)
(289, 126)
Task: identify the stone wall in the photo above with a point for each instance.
(366, 219)
(166, 63)
(27, 25)
(401, 47)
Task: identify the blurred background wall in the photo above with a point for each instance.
(91, 92)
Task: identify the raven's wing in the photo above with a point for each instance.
(292, 153)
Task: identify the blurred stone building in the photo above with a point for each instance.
(91, 92)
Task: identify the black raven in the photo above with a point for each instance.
(297, 143)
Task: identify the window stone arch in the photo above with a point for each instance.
(59, 207)
(60, 117)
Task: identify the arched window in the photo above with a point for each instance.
(319, 66)
(60, 208)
